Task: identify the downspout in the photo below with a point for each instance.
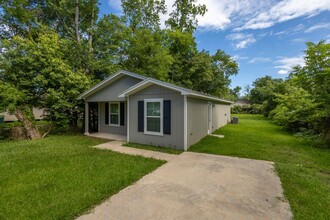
(185, 123)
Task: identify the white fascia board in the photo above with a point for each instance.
(145, 84)
(135, 88)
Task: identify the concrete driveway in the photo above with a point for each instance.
(201, 186)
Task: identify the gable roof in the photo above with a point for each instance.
(108, 81)
(184, 91)
(146, 82)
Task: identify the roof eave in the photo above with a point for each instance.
(210, 98)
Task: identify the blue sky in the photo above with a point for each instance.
(266, 37)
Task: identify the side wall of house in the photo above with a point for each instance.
(106, 128)
(220, 115)
(173, 140)
(197, 120)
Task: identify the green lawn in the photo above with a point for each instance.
(304, 170)
(153, 148)
(61, 177)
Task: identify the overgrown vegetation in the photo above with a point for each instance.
(246, 109)
(51, 51)
(301, 103)
(61, 177)
(304, 170)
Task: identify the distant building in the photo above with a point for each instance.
(242, 102)
(38, 115)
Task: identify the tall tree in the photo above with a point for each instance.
(184, 15)
(223, 67)
(143, 13)
(183, 48)
(314, 78)
(37, 72)
(146, 52)
(111, 39)
(264, 93)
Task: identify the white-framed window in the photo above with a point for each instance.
(153, 116)
(114, 113)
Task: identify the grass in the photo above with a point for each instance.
(304, 170)
(61, 177)
(153, 148)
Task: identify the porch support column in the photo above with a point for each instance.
(86, 118)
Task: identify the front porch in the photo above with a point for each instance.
(108, 136)
(104, 121)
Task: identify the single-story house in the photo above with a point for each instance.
(38, 115)
(153, 112)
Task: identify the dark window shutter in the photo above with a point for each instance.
(140, 116)
(167, 117)
(106, 113)
(122, 113)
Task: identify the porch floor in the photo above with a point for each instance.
(108, 136)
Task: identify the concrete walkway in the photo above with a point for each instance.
(198, 186)
(117, 146)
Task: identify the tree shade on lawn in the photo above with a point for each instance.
(61, 177)
(304, 170)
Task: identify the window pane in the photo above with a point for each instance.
(114, 119)
(153, 124)
(153, 108)
(114, 108)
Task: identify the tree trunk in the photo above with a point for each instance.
(76, 22)
(31, 130)
(90, 40)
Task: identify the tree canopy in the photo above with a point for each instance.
(301, 103)
(53, 50)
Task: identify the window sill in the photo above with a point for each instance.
(153, 133)
(114, 125)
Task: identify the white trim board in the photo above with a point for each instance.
(127, 119)
(161, 101)
(185, 123)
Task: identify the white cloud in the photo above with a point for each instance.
(327, 39)
(241, 40)
(238, 57)
(282, 72)
(318, 26)
(298, 40)
(259, 60)
(244, 43)
(247, 14)
(285, 64)
(291, 31)
(115, 4)
(284, 11)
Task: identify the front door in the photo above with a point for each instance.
(209, 118)
(93, 117)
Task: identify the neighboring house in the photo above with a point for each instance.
(149, 111)
(242, 102)
(38, 115)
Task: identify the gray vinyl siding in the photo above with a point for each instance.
(175, 139)
(106, 128)
(112, 91)
(197, 123)
(220, 115)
